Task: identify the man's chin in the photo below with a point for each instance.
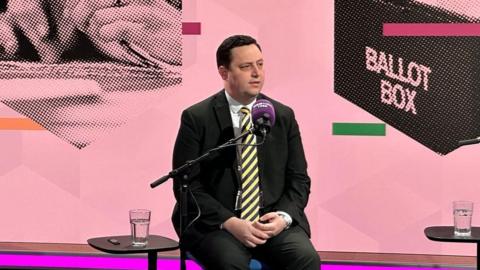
(254, 91)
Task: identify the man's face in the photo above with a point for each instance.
(245, 76)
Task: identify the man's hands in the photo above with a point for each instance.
(28, 16)
(8, 40)
(152, 25)
(252, 234)
(271, 223)
(245, 232)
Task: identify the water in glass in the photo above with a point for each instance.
(463, 221)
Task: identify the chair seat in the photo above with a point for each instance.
(257, 265)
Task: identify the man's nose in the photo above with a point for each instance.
(255, 71)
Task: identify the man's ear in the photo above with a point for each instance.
(223, 72)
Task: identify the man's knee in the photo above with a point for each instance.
(220, 250)
(306, 258)
(228, 260)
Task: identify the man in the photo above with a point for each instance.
(240, 217)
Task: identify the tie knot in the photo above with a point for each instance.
(245, 110)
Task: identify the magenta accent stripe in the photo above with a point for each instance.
(431, 29)
(191, 28)
(59, 261)
(373, 267)
(132, 263)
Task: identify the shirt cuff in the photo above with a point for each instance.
(288, 219)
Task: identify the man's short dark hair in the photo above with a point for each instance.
(224, 51)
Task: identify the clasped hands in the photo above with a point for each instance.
(252, 234)
(152, 25)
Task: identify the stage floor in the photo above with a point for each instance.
(82, 256)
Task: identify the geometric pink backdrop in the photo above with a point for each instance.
(371, 194)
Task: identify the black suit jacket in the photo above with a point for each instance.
(215, 183)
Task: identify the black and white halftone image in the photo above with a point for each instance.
(80, 68)
(427, 87)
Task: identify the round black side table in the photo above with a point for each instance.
(155, 244)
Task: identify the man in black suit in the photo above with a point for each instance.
(274, 228)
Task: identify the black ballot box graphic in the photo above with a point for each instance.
(427, 87)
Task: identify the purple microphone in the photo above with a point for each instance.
(263, 116)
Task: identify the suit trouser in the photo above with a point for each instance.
(291, 249)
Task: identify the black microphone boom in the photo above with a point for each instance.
(470, 141)
(190, 163)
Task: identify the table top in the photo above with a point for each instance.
(445, 234)
(155, 243)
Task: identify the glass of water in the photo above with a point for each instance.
(462, 217)
(139, 223)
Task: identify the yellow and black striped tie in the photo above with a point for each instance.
(250, 179)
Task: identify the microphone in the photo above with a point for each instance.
(263, 116)
(470, 141)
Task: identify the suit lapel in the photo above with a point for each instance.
(222, 111)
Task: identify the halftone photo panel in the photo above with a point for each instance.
(83, 68)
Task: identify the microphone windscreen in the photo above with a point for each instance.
(263, 108)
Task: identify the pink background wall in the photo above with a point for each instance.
(369, 194)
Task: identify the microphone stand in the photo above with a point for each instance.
(469, 141)
(184, 186)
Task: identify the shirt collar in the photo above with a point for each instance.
(235, 106)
